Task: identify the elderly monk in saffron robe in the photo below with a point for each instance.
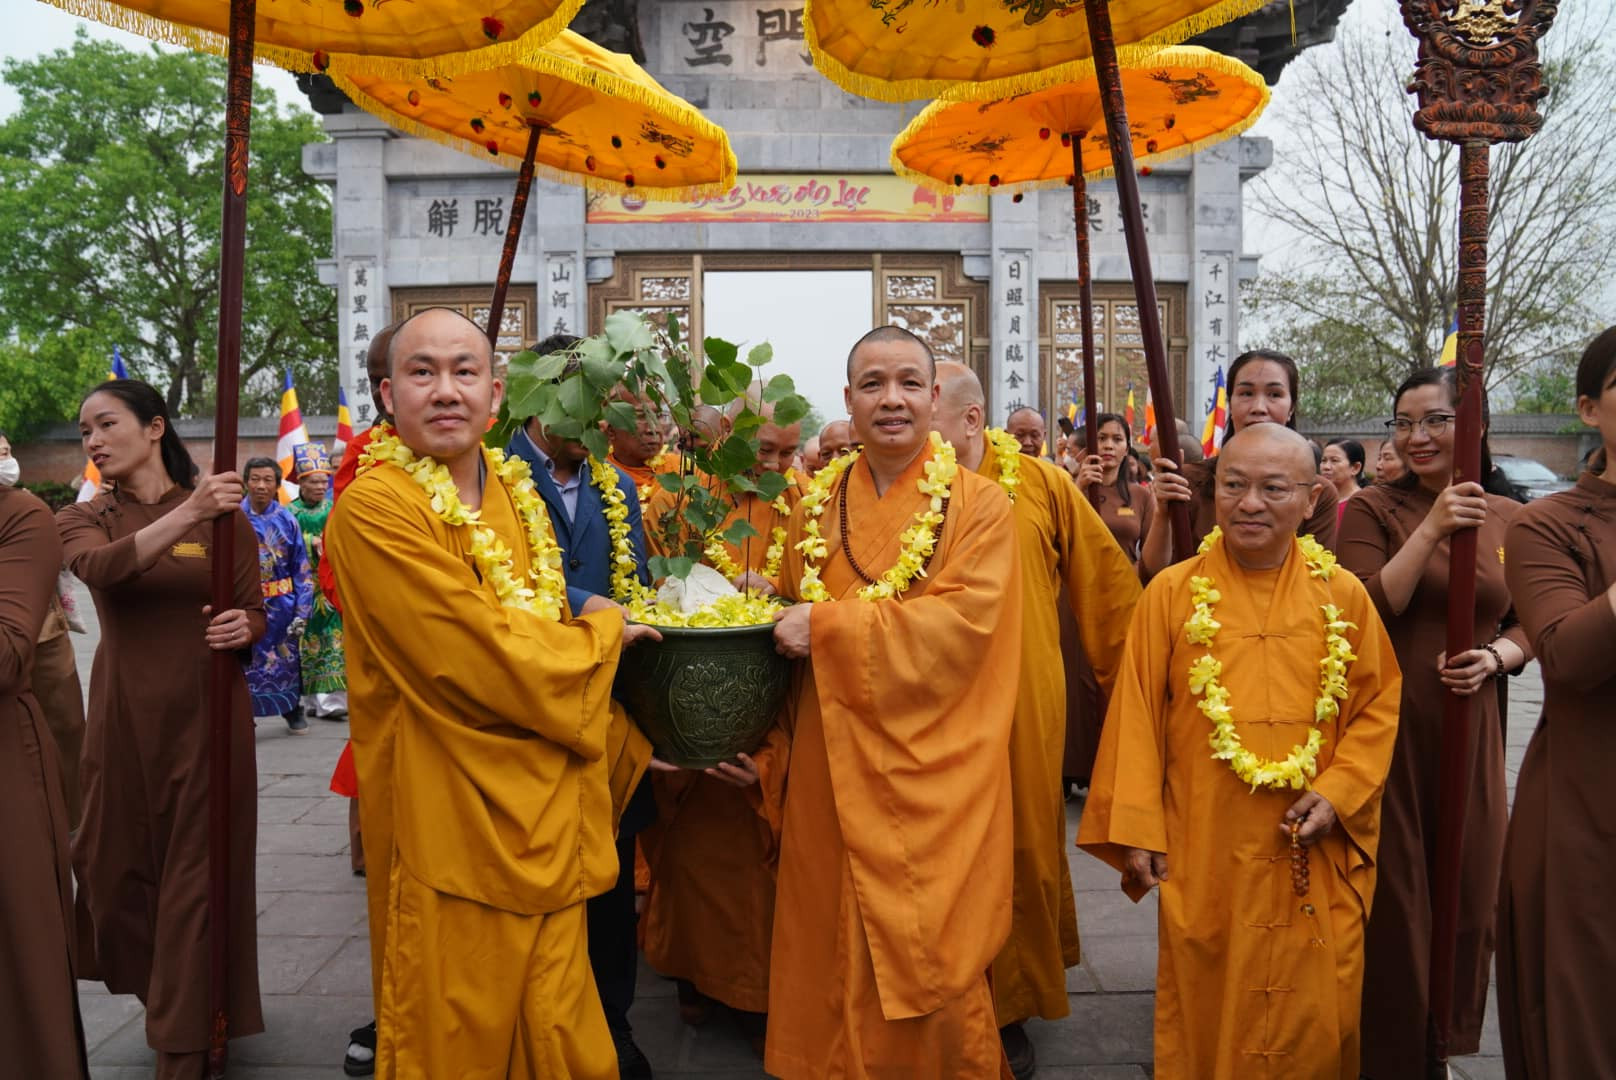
(709, 913)
(1254, 980)
(895, 860)
(1067, 555)
(492, 760)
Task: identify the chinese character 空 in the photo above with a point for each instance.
(707, 41)
(442, 217)
(490, 216)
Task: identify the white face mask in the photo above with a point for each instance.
(9, 471)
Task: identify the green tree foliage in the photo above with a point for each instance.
(42, 379)
(110, 182)
(1373, 205)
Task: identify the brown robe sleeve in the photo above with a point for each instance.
(27, 544)
(1569, 632)
(94, 560)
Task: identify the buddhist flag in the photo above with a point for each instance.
(344, 427)
(1150, 419)
(1073, 408)
(1127, 411)
(92, 475)
(292, 434)
(1217, 415)
(1450, 344)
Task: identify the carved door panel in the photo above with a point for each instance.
(930, 296)
(1119, 356)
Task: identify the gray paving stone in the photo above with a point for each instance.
(286, 963)
(276, 839)
(283, 810)
(314, 914)
(1109, 914)
(104, 1014)
(346, 974)
(1123, 964)
(1080, 980)
(1104, 1029)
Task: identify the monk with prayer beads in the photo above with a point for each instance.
(492, 758)
(1241, 768)
(894, 889)
(1067, 555)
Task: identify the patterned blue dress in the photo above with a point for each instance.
(274, 679)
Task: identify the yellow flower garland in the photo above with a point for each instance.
(919, 540)
(544, 592)
(625, 581)
(1007, 452)
(1301, 765)
(717, 554)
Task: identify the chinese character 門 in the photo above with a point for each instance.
(777, 24)
(490, 216)
(442, 217)
(707, 41)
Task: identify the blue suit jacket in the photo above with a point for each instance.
(586, 543)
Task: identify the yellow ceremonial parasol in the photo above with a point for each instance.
(392, 37)
(572, 111)
(1180, 100)
(438, 36)
(900, 50)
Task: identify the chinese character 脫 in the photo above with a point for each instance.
(490, 216)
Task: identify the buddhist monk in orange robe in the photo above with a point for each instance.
(894, 891)
(1067, 555)
(1254, 981)
(639, 452)
(491, 757)
(709, 913)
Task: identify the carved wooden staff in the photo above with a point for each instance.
(1478, 82)
(1133, 229)
(1085, 300)
(513, 235)
(225, 670)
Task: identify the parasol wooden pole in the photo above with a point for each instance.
(1085, 301)
(1133, 228)
(513, 234)
(1453, 773)
(225, 671)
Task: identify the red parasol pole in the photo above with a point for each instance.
(1085, 300)
(513, 234)
(1133, 228)
(225, 671)
(1478, 82)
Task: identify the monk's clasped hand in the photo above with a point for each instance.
(228, 630)
(1148, 868)
(791, 631)
(742, 772)
(1468, 672)
(1315, 815)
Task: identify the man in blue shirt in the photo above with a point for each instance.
(561, 472)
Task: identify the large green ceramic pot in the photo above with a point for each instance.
(704, 694)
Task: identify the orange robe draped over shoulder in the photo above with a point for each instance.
(709, 914)
(493, 764)
(1252, 982)
(894, 888)
(1067, 555)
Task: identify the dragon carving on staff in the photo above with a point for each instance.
(1478, 75)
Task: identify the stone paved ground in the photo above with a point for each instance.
(314, 955)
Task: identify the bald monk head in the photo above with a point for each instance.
(636, 448)
(376, 366)
(810, 456)
(1027, 425)
(706, 427)
(958, 417)
(1266, 487)
(891, 395)
(440, 388)
(777, 444)
(834, 441)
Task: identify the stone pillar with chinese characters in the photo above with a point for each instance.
(563, 290)
(363, 304)
(1013, 368)
(1214, 289)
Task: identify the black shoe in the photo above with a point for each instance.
(360, 1060)
(296, 724)
(1018, 1051)
(631, 1064)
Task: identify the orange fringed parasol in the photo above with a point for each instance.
(572, 111)
(348, 36)
(901, 50)
(1180, 100)
(600, 117)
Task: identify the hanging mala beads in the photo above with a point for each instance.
(1299, 864)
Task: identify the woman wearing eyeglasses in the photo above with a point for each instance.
(1396, 538)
